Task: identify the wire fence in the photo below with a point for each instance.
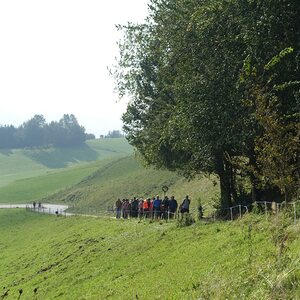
(50, 209)
(230, 213)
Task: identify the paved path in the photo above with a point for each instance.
(52, 209)
(46, 208)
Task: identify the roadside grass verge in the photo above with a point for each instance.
(90, 258)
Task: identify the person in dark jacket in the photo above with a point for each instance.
(134, 208)
(185, 205)
(165, 208)
(172, 207)
(118, 205)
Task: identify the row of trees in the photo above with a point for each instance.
(215, 88)
(114, 134)
(37, 133)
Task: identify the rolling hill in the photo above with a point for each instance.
(93, 177)
(127, 178)
(24, 163)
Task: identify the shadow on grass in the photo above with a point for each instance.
(62, 157)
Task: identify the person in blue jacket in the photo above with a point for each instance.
(156, 207)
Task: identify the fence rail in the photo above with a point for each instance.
(229, 213)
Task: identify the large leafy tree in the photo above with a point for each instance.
(182, 69)
(271, 76)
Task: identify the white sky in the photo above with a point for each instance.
(54, 56)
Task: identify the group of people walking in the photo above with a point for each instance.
(155, 208)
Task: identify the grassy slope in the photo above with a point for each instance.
(87, 258)
(27, 175)
(100, 183)
(14, 165)
(34, 188)
(126, 178)
(94, 184)
(25, 163)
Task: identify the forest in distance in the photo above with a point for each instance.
(36, 132)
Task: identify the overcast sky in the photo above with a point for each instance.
(54, 56)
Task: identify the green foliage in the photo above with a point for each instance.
(276, 102)
(187, 69)
(276, 59)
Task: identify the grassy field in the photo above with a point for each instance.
(93, 176)
(24, 163)
(104, 258)
(34, 188)
(127, 178)
(89, 258)
(31, 174)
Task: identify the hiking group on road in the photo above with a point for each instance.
(154, 208)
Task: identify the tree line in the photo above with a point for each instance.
(37, 133)
(214, 88)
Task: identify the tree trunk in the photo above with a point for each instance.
(224, 182)
(255, 196)
(232, 180)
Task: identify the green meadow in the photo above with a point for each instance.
(49, 257)
(31, 174)
(34, 188)
(126, 178)
(104, 258)
(24, 163)
(94, 176)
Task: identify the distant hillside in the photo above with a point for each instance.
(126, 178)
(34, 188)
(92, 177)
(23, 163)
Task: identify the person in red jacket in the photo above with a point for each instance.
(146, 207)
